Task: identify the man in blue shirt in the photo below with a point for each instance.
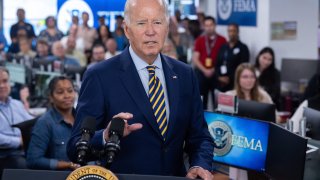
(60, 59)
(21, 24)
(11, 112)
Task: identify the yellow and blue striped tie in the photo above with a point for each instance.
(157, 100)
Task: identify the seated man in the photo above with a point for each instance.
(111, 46)
(98, 52)
(73, 52)
(11, 112)
(42, 49)
(59, 57)
(26, 53)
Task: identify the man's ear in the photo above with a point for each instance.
(125, 29)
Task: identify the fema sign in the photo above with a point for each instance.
(242, 12)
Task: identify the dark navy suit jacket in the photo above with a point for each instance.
(114, 86)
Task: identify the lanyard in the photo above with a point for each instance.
(7, 118)
(226, 53)
(210, 46)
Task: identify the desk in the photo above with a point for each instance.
(312, 166)
(25, 174)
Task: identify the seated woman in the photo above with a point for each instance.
(247, 88)
(268, 75)
(313, 102)
(246, 85)
(47, 148)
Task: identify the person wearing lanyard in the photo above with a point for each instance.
(205, 53)
(229, 57)
(11, 112)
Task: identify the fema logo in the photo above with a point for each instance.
(222, 135)
(73, 8)
(224, 9)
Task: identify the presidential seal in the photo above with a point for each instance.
(222, 135)
(91, 172)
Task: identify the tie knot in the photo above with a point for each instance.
(151, 69)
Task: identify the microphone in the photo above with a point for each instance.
(83, 148)
(113, 145)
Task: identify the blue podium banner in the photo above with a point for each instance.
(242, 12)
(239, 142)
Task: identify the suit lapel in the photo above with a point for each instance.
(133, 84)
(172, 84)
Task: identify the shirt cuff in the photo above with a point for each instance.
(15, 142)
(103, 139)
(53, 164)
(194, 167)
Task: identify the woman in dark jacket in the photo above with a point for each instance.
(268, 75)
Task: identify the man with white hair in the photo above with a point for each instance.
(59, 56)
(157, 96)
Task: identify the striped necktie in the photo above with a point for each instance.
(157, 100)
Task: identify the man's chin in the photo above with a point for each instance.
(154, 52)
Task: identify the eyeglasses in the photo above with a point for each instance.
(248, 77)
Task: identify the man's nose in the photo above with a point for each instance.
(150, 29)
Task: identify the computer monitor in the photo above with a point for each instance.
(41, 82)
(286, 154)
(17, 73)
(312, 123)
(257, 110)
(42, 64)
(238, 141)
(257, 145)
(294, 70)
(72, 71)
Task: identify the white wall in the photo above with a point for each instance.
(306, 13)
(207, 6)
(255, 37)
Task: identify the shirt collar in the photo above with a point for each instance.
(141, 64)
(6, 103)
(58, 118)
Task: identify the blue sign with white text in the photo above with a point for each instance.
(108, 9)
(238, 141)
(242, 12)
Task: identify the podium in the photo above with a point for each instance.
(26, 174)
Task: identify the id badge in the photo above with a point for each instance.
(208, 62)
(223, 69)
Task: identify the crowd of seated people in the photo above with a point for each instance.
(193, 42)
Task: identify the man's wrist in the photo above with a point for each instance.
(194, 167)
(104, 137)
